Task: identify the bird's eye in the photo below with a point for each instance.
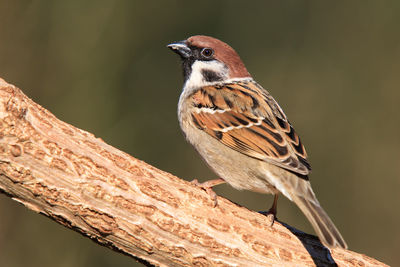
(207, 52)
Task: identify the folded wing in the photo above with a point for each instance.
(244, 117)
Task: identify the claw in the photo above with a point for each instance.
(271, 217)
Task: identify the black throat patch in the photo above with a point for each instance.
(187, 67)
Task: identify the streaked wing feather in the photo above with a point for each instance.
(243, 116)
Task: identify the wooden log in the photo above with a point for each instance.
(120, 202)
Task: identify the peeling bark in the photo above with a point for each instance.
(79, 181)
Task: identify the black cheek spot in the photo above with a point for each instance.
(211, 76)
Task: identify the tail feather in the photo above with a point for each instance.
(299, 191)
(322, 224)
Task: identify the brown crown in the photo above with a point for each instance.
(222, 52)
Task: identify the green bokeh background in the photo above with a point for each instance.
(103, 66)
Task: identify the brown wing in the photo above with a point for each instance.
(245, 117)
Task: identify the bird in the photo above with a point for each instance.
(242, 133)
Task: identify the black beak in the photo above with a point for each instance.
(181, 49)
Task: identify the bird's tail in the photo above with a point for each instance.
(323, 226)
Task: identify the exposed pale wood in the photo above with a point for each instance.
(125, 204)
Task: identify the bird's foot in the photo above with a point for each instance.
(271, 216)
(207, 186)
(271, 213)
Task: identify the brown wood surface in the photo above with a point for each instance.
(79, 181)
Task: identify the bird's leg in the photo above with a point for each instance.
(208, 185)
(273, 210)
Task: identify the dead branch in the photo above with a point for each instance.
(76, 179)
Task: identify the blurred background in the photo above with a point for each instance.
(103, 66)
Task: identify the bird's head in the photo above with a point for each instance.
(208, 60)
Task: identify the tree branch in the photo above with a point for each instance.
(122, 203)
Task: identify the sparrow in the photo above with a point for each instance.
(242, 133)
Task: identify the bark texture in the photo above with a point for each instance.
(122, 203)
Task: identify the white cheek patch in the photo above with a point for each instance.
(196, 78)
